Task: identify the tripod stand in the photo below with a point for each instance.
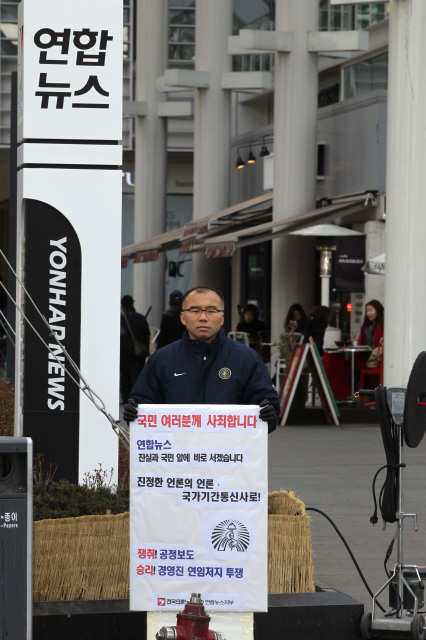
(405, 593)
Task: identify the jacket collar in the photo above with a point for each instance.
(198, 344)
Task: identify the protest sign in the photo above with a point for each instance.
(198, 507)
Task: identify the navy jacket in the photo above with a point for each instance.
(190, 371)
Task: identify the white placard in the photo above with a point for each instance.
(218, 516)
(351, 2)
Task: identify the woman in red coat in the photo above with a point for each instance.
(372, 330)
(337, 368)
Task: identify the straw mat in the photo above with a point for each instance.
(290, 557)
(84, 558)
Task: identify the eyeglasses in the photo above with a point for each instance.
(197, 311)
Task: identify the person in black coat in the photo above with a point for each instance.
(205, 367)
(251, 323)
(171, 328)
(316, 325)
(295, 318)
(130, 364)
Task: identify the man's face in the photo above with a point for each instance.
(202, 326)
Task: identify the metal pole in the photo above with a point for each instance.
(325, 273)
(325, 290)
(13, 182)
(400, 558)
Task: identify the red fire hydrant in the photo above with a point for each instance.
(192, 624)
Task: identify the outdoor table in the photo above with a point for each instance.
(352, 350)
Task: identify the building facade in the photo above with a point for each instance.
(200, 95)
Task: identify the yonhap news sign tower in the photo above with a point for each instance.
(69, 225)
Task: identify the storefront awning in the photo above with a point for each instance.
(148, 250)
(242, 215)
(225, 245)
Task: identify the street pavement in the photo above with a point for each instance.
(332, 469)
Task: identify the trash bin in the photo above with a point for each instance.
(16, 536)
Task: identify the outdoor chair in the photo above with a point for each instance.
(239, 336)
(378, 371)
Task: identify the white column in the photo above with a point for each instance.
(150, 153)
(295, 157)
(212, 127)
(405, 289)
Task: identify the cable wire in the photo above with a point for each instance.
(86, 389)
(10, 327)
(388, 498)
(350, 552)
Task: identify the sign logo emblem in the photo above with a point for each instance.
(161, 602)
(225, 373)
(230, 534)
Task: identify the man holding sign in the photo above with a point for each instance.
(205, 367)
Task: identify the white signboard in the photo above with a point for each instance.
(70, 69)
(351, 2)
(70, 60)
(198, 507)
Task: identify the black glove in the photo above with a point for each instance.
(267, 411)
(130, 410)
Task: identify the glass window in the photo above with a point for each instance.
(237, 63)
(259, 15)
(181, 52)
(379, 75)
(267, 63)
(246, 63)
(348, 18)
(181, 29)
(336, 18)
(255, 63)
(378, 12)
(181, 34)
(182, 17)
(362, 16)
(358, 16)
(182, 3)
(9, 47)
(368, 75)
(251, 12)
(9, 22)
(323, 15)
(9, 13)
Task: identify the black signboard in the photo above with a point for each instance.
(51, 401)
(350, 257)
